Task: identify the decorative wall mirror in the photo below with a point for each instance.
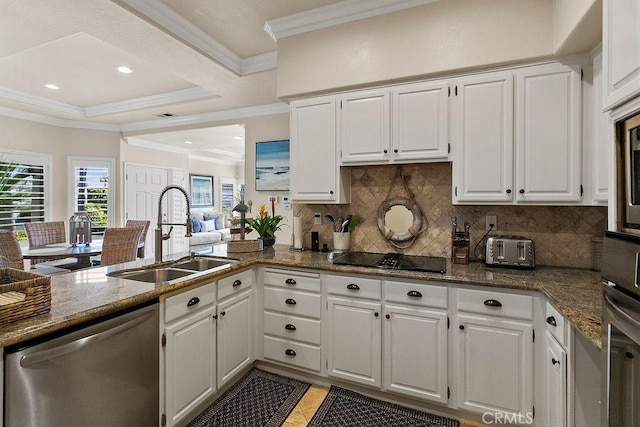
(400, 219)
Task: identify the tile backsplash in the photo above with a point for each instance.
(562, 234)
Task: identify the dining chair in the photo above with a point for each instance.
(11, 255)
(47, 233)
(120, 244)
(143, 236)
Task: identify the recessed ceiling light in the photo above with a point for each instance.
(124, 70)
(51, 86)
(238, 137)
(188, 142)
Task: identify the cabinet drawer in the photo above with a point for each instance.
(292, 327)
(556, 324)
(354, 286)
(235, 284)
(495, 303)
(189, 302)
(292, 280)
(292, 302)
(292, 353)
(416, 294)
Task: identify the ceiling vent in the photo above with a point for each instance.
(165, 115)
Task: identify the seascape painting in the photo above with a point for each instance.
(201, 191)
(272, 166)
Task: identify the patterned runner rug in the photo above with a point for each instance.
(342, 408)
(258, 399)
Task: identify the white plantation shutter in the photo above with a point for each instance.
(23, 190)
(227, 195)
(92, 189)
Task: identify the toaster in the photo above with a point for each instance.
(510, 251)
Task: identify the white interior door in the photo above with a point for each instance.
(143, 185)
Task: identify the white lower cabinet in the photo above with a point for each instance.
(235, 335)
(493, 353)
(189, 344)
(415, 352)
(556, 391)
(354, 347)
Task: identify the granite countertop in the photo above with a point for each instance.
(88, 294)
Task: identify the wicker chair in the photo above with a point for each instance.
(143, 236)
(11, 255)
(47, 233)
(120, 245)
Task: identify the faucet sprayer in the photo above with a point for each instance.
(159, 236)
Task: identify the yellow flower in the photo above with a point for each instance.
(263, 210)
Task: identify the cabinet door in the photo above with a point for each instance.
(190, 363)
(493, 365)
(364, 126)
(621, 50)
(548, 137)
(409, 332)
(556, 395)
(354, 350)
(314, 169)
(235, 336)
(483, 171)
(420, 122)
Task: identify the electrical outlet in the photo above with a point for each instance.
(491, 219)
(317, 218)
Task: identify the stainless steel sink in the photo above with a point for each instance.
(202, 264)
(153, 275)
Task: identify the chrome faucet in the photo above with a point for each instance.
(160, 237)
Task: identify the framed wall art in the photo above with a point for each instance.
(201, 191)
(272, 166)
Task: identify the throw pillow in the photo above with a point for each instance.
(208, 225)
(196, 226)
(216, 222)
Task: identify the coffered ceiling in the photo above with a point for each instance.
(192, 61)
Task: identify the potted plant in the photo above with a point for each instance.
(265, 225)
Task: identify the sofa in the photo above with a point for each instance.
(209, 227)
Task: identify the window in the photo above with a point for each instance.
(23, 189)
(227, 196)
(92, 188)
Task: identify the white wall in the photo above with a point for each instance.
(577, 25)
(60, 142)
(433, 39)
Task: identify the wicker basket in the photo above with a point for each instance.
(35, 288)
(244, 245)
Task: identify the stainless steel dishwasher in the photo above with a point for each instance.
(104, 374)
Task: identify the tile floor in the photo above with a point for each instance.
(310, 402)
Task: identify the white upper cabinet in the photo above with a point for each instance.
(483, 165)
(315, 174)
(621, 51)
(420, 122)
(405, 123)
(364, 126)
(548, 137)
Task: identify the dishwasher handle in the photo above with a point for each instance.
(41, 356)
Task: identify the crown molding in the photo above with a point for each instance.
(162, 16)
(257, 63)
(238, 113)
(239, 157)
(138, 142)
(48, 120)
(166, 98)
(335, 14)
(37, 101)
(214, 160)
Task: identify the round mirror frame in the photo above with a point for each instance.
(416, 226)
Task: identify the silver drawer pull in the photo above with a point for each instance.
(493, 303)
(414, 294)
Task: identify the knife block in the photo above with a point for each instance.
(460, 250)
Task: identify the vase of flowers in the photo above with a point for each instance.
(265, 225)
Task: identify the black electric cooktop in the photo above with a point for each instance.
(393, 261)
